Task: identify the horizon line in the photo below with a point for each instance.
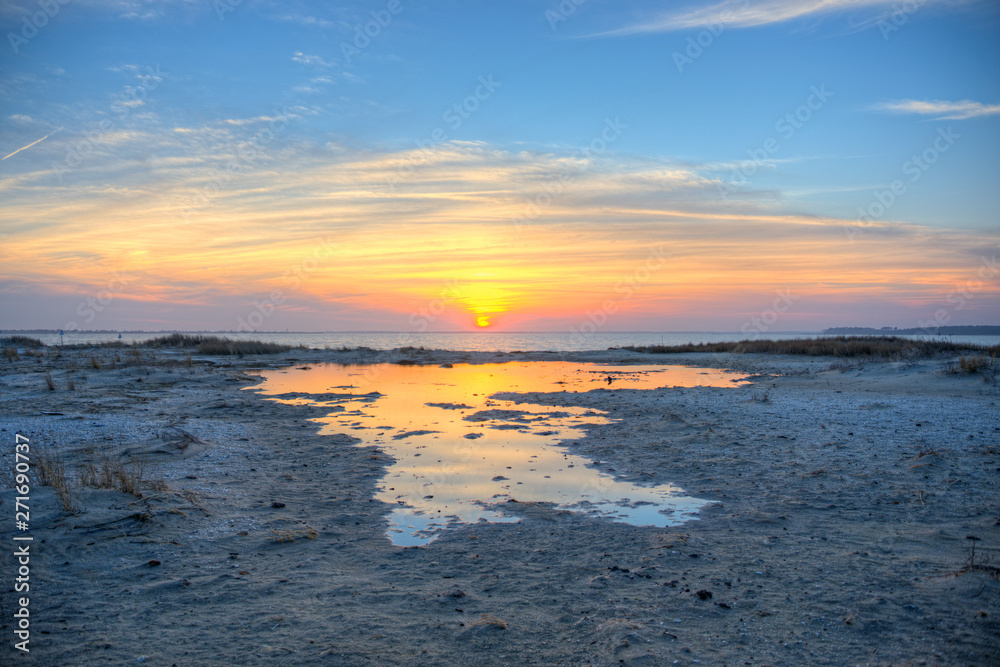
(474, 332)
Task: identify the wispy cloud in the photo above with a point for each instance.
(126, 9)
(257, 119)
(942, 109)
(37, 141)
(744, 14)
(307, 20)
(308, 59)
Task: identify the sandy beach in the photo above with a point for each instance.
(854, 519)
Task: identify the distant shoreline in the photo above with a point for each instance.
(977, 330)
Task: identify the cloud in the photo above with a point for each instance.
(37, 141)
(314, 61)
(307, 20)
(744, 14)
(960, 110)
(257, 119)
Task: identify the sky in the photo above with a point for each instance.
(526, 165)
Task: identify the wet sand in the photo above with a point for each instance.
(845, 502)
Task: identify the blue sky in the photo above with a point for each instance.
(762, 112)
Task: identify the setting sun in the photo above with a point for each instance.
(483, 321)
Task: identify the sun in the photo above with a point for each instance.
(483, 321)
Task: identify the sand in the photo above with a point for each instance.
(847, 501)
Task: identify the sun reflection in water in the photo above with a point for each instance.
(461, 456)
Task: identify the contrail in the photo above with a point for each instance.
(30, 145)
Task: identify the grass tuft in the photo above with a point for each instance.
(977, 364)
(307, 532)
(49, 382)
(51, 471)
(110, 472)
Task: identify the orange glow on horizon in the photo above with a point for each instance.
(349, 253)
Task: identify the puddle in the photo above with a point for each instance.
(461, 456)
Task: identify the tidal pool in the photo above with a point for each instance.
(460, 455)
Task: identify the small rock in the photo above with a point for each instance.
(154, 562)
(704, 594)
(277, 505)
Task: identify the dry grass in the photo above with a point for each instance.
(490, 620)
(868, 347)
(11, 353)
(105, 470)
(226, 346)
(108, 471)
(290, 535)
(175, 340)
(95, 364)
(134, 358)
(973, 365)
(158, 485)
(978, 563)
(217, 345)
(49, 382)
(51, 471)
(21, 341)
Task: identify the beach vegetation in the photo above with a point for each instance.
(50, 470)
(108, 471)
(884, 348)
(216, 345)
(21, 341)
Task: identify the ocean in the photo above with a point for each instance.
(484, 341)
